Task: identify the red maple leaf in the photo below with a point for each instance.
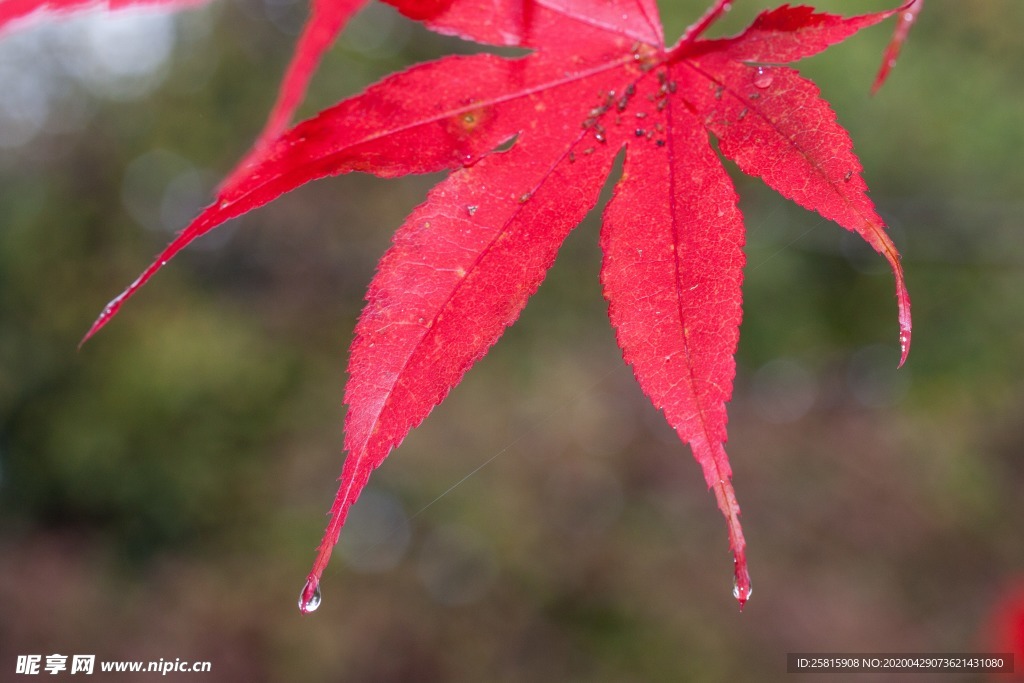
(530, 142)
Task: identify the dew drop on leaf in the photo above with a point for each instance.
(762, 77)
(309, 598)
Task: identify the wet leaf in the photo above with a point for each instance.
(530, 142)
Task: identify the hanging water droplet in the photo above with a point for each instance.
(762, 77)
(741, 594)
(309, 598)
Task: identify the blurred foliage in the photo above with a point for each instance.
(161, 490)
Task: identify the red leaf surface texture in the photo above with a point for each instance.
(529, 142)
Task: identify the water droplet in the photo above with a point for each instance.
(741, 594)
(846, 178)
(762, 77)
(471, 209)
(904, 346)
(309, 598)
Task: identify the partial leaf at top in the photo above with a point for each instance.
(16, 12)
(548, 25)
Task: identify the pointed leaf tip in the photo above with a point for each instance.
(905, 323)
(883, 244)
(726, 498)
(908, 15)
(114, 305)
(111, 309)
(741, 589)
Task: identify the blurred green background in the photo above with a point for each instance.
(162, 490)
